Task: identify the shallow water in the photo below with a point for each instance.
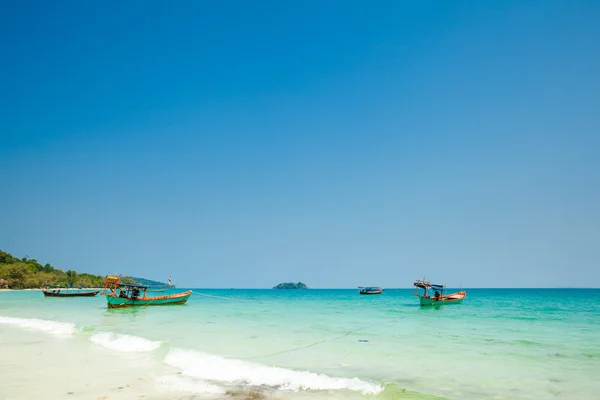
(497, 344)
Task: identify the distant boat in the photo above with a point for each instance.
(156, 290)
(438, 298)
(69, 292)
(133, 295)
(370, 290)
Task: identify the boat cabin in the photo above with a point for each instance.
(430, 290)
(132, 291)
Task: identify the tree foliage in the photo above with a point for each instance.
(26, 273)
(148, 282)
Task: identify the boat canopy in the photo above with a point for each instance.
(116, 281)
(112, 280)
(428, 285)
(132, 285)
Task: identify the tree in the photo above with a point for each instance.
(48, 268)
(71, 277)
(17, 275)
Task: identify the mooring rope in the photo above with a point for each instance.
(318, 342)
(228, 298)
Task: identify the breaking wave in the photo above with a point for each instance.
(52, 327)
(124, 343)
(218, 369)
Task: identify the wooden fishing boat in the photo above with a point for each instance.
(370, 290)
(133, 295)
(69, 292)
(438, 298)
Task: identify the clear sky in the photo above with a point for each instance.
(338, 143)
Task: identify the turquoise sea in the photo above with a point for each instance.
(304, 344)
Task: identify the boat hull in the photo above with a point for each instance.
(80, 294)
(375, 292)
(120, 302)
(454, 298)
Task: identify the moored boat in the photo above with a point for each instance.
(68, 292)
(370, 290)
(120, 295)
(438, 298)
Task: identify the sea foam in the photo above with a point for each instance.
(124, 343)
(52, 327)
(219, 369)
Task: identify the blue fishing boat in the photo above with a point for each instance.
(68, 292)
(370, 290)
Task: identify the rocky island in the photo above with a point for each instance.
(291, 285)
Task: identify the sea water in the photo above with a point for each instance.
(304, 344)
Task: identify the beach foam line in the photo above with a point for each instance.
(218, 369)
(180, 384)
(124, 343)
(53, 327)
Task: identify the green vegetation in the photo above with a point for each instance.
(291, 285)
(26, 273)
(149, 282)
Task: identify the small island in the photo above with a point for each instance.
(291, 285)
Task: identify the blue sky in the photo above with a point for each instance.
(340, 143)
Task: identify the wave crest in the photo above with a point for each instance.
(52, 327)
(124, 343)
(219, 369)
